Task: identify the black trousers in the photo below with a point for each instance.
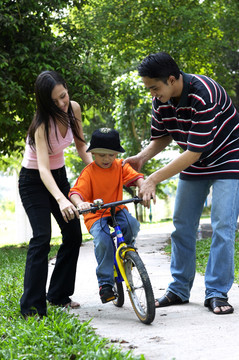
(39, 204)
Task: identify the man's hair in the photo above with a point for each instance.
(159, 66)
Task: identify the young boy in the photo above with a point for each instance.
(104, 178)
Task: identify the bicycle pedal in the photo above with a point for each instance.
(104, 301)
(106, 294)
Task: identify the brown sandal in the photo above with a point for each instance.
(72, 305)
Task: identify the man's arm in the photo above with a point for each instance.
(155, 147)
(139, 182)
(147, 189)
(183, 161)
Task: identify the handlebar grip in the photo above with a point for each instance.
(94, 208)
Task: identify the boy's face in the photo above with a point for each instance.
(104, 160)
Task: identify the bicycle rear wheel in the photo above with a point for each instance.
(141, 294)
(118, 289)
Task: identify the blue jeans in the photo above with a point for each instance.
(190, 199)
(39, 204)
(103, 246)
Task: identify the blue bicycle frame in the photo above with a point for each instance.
(121, 247)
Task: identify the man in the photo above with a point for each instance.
(198, 114)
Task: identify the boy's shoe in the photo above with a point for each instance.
(106, 293)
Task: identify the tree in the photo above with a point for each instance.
(136, 28)
(37, 36)
(226, 16)
(131, 111)
(200, 34)
(94, 42)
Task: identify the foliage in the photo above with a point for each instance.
(203, 248)
(200, 35)
(6, 206)
(37, 36)
(202, 253)
(131, 113)
(23, 34)
(57, 336)
(226, 55)
(98, 57)
(74, 163)
(188, 30)
(12, 162)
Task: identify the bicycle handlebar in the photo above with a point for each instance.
(94, 208)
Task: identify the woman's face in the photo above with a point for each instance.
(60, 97)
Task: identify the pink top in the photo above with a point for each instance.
(56, 155)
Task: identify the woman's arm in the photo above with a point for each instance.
(67, 208)
(80, 145)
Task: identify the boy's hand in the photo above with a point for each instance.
(84, 206)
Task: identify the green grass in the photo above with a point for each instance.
(202, 253)
(60, 335)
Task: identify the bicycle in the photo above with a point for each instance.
(128, 267)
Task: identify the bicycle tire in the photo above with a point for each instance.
(141, 294)
(118, 289)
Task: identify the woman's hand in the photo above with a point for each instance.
(67, 209)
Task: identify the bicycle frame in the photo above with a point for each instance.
(128, 267)
(120, 250)
(122, 247)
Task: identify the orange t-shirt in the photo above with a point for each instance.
(95, 182)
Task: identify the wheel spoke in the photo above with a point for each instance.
(140, 293)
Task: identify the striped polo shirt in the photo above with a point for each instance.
(205, 121)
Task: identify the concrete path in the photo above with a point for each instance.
(183, 332)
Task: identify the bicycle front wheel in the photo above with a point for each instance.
(141, 294)
(119, 291)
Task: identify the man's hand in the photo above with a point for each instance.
(147, 192)
(134, 161)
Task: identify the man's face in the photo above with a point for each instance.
(159, 89)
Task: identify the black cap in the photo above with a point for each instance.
(105, 140)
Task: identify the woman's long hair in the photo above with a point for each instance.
(46, 108)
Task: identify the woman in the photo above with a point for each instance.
(44, 188)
